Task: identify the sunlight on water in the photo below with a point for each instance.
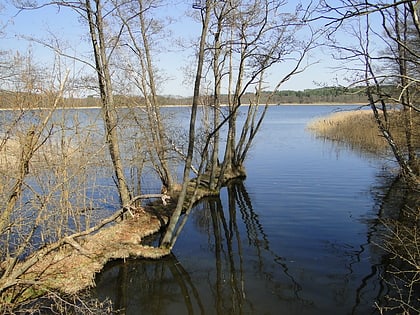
(290, 240)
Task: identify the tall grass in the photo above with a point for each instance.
(358, 130)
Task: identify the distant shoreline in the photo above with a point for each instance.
(324, 104)
(186, 105)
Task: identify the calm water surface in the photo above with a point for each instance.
(293, 238)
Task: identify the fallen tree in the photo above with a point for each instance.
(70, 264)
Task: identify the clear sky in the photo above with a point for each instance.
(48, 22)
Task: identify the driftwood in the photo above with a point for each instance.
(163, 197)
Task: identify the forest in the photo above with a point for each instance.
(324, 95)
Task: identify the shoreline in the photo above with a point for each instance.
(186, 105)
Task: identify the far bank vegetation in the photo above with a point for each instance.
(322, 95)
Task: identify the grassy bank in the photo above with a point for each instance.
(358, 130)
(68, 267)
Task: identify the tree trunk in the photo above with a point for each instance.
(214, 158)
(402, 42)
(167, 241)
(96, 30)
(156, 122)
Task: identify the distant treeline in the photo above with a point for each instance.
(324, 95)
(310, 96)
(321, 95)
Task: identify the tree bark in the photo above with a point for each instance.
(96, 29)
(155, 120)
(402, 42)
(167, 241)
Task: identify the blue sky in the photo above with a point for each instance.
(50, 21)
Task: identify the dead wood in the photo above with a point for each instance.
(70, 266)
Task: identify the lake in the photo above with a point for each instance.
(296, 237)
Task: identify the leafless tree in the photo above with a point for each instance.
(168, 240)
(382, 55)
(92, 14)
(48, 173)
(384, 59)
(141, 71)
(249, 38)
(240, 41)
(95, 17)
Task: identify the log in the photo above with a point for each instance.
(163, 197)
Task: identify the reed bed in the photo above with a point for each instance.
(358, 130)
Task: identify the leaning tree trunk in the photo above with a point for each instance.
(214, 158)
(96, 30)
(228, 166)
(407, 171)
(168, 240)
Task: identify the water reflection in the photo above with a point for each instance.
(149, 287)
(398, 237)
(223, 285)
(229, 264)
(255, 232)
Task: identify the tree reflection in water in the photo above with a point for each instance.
(229, 267)
(394, 292)
(165, 287)
(149, 287)
(255, 232)
(399, 241)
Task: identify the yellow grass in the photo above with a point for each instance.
(359, 130)
(73, 267)
(9, 154)
(77, 268)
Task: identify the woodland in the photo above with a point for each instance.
(322, 96)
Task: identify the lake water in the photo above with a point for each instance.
(294, 238)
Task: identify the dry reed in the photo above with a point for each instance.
(359, 130)
(73, 269)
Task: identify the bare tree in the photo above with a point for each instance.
(23, 139)
(95, 20)
(383, 58)
(239, 42)
(168, 240)
(93, 13)
(46, 173)
(389, 74)
(142, 72)
(249, 38)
